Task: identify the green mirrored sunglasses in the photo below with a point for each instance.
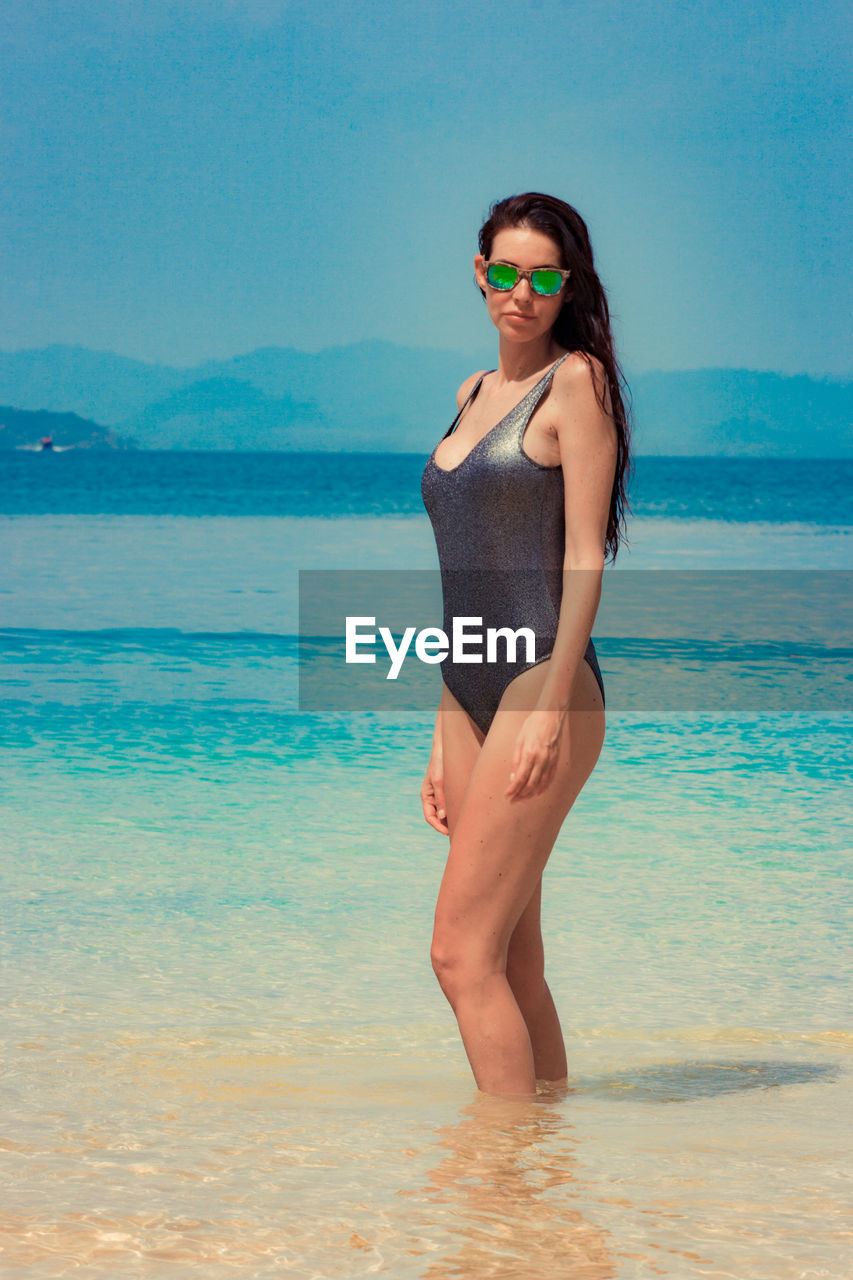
(547, 281)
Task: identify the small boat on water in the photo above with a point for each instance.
(45, 445)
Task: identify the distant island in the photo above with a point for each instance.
(42, 429)
(381, 397)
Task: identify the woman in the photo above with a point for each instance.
(526, 494)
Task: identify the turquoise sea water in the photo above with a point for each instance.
(225, 1051)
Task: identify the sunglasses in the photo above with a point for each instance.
(547, 281)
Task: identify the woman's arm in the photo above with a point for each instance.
(588, 450)
(432, 789)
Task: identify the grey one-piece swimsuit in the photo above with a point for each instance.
(499, 524)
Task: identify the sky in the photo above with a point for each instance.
(187, 181)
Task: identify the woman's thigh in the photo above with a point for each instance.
(499, 846)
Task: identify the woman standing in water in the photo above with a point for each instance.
(527, 495)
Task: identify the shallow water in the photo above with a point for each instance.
(225, 1050)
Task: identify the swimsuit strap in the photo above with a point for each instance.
(473, 392)
(533, 397)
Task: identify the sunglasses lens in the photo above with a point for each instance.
(547, 282)
(500, 276)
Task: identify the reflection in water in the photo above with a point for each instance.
(503, 1197)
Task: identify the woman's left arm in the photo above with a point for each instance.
(588, 451)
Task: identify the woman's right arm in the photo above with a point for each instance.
(432, 791)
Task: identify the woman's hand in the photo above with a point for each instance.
(537, 749)
(432, 795)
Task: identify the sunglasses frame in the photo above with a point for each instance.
(525, 275)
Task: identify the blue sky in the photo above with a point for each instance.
(192, 180)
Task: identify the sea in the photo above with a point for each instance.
(225, 1053)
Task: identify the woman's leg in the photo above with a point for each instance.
(498, 851)
(525, 972)
(525, 954)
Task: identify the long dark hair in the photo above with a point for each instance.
(583, 324)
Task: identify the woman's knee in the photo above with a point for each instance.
(446, 961)
(525, 961)
(462, 966)
(525, 973)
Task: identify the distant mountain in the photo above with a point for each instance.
(736, 412)
(23, 428)
(222, 413)
(371, 396)
(377, 396)
(97, 384)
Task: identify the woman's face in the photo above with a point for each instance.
(520, 314)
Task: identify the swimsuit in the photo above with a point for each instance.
(499, 524)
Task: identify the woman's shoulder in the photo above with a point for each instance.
(580, 401)
(468, 386)
(580, 371)
(582, 378)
